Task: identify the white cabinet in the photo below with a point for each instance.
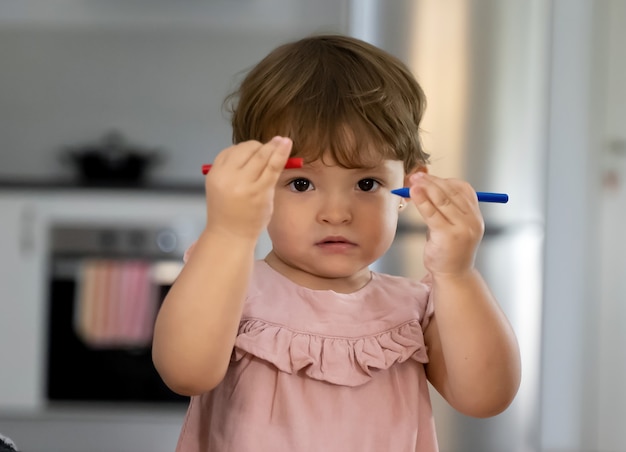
(22, 311)
(27, 217)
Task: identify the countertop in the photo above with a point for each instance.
(71, 185)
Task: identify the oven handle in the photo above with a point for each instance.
(164, 272)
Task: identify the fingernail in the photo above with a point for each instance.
(417, 176)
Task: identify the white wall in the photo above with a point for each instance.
(611, 273)
(584, 368)
(70, 70)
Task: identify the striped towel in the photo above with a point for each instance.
(116, 303)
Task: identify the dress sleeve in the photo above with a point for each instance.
(427, 281)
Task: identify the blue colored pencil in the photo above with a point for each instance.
(483, 196)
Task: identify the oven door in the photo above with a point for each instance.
(105, 287)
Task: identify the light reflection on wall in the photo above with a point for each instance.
(439, 59)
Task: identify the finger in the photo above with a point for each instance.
(264, 156)
(461, 195)
(237, 155)
(442, 201)
(428, 199)
(276, 162)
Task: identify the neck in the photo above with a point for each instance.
(305, 278)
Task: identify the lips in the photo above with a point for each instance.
(335, 241)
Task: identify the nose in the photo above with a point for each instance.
(335, 209)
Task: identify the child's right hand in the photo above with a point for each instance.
(240, 186)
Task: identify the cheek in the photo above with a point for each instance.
(283, 225)
(388, 227)
(276, 224)
(381, 219)
(389, 210)
(389, 220)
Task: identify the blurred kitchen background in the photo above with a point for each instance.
(108, 109)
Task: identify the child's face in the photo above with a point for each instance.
(330, 223)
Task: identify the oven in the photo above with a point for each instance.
(106, 283)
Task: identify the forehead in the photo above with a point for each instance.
(344, 154)
(377, 165)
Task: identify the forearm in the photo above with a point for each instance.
(197, 324)
(476, 355)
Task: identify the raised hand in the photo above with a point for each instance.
(455, 224)
(240, 186)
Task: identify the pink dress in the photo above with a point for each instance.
(317, 370)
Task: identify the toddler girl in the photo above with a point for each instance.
(308, 349)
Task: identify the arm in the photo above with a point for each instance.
(474, 359)
(197, 324)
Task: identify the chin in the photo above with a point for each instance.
(336, 271)
(329, 267)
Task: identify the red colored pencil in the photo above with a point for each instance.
(294, 162)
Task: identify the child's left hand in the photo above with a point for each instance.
(455, 224)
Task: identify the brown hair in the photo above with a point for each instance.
(334, 94)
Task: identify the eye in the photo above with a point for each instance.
(301, 184)
(368, 184)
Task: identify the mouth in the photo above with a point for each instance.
(335, 241)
